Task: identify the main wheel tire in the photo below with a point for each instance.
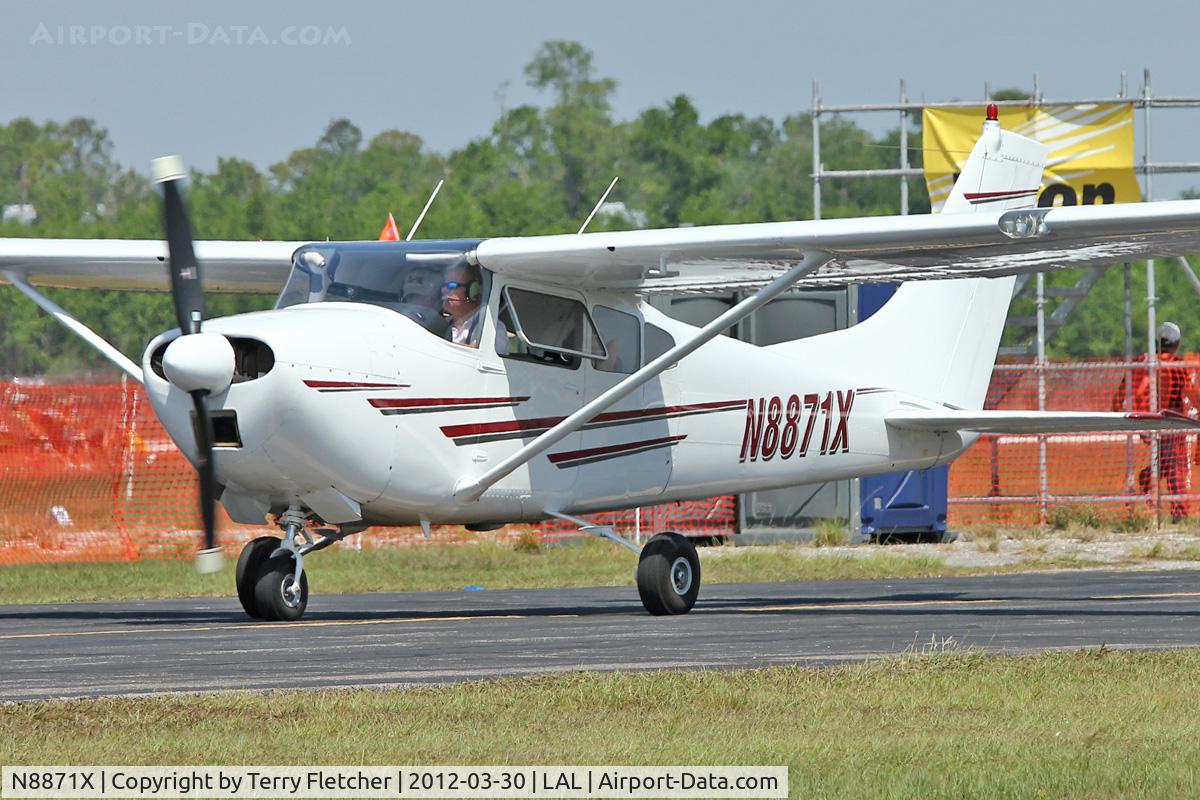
(271, 592)
(668, 574)
(249, 567)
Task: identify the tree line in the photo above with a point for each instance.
(538, 171)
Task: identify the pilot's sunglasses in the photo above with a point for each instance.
(453, 284)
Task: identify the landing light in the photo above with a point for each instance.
(1025, 224)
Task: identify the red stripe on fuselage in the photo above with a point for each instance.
(612, 417)
(572, 455)
(423, 402)
(353, 385)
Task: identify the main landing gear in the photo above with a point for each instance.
(668, 570)
(668, 574)
(271, 583)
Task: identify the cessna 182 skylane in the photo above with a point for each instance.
(345, 407)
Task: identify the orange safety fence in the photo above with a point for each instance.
(87, 473)
(1033, 479)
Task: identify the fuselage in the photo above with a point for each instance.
(365, 413)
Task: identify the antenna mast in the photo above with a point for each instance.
(421, 216)
(596, 208)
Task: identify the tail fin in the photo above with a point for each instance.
(1003, 172)
(938, 339)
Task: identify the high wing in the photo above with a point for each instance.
(945, 420)
(257, 267)
(689, 260)
(870, 249)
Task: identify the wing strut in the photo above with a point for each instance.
(75, 326)
(469, 489)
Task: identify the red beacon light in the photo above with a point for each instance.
(993, 113)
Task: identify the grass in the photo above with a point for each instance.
(525, 562)
(1162, 551)
(1085, 523)
(831, 533)
(1155, 551)
(986, 539)
(483, 562)
(937, 723)
(1067, 516)
(1133, 522)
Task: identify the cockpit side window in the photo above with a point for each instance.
(547, 328)
(658, 342)
(621, 333)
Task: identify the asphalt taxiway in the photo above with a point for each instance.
(132, 648)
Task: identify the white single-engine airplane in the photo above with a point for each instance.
(553, 390)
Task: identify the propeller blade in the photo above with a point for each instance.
(186, 290)
(209, 558)
(187, 293)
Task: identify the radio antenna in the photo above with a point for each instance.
(603, 197)
(421, 216)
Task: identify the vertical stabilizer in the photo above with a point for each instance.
(938, 339)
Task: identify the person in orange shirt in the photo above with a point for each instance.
(1176, 387)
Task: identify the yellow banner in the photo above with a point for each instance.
(1091, 150)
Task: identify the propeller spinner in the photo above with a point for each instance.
(199, 365)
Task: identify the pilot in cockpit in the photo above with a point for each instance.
(462, 292)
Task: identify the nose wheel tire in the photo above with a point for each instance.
(249, 568)
(668, 574)
(273, 592)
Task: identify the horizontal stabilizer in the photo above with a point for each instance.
(1037, 421)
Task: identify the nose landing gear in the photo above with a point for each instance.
(277, 593)
(271, 582)
(249, 567)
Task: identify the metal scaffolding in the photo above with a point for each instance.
(904, 107)
(1145, 100)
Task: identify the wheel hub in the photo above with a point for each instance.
(291, 595)
(681, 576)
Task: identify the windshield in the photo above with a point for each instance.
(405, 277)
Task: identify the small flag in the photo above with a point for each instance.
(390, 232)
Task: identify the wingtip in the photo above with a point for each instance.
(167, 168)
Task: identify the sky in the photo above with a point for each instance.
(258, 80)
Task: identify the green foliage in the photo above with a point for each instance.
(831, 533)
(1065, 516)
(538, 171)
(1133, 522)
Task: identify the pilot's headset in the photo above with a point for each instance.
(475, 290)
(474, 287)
